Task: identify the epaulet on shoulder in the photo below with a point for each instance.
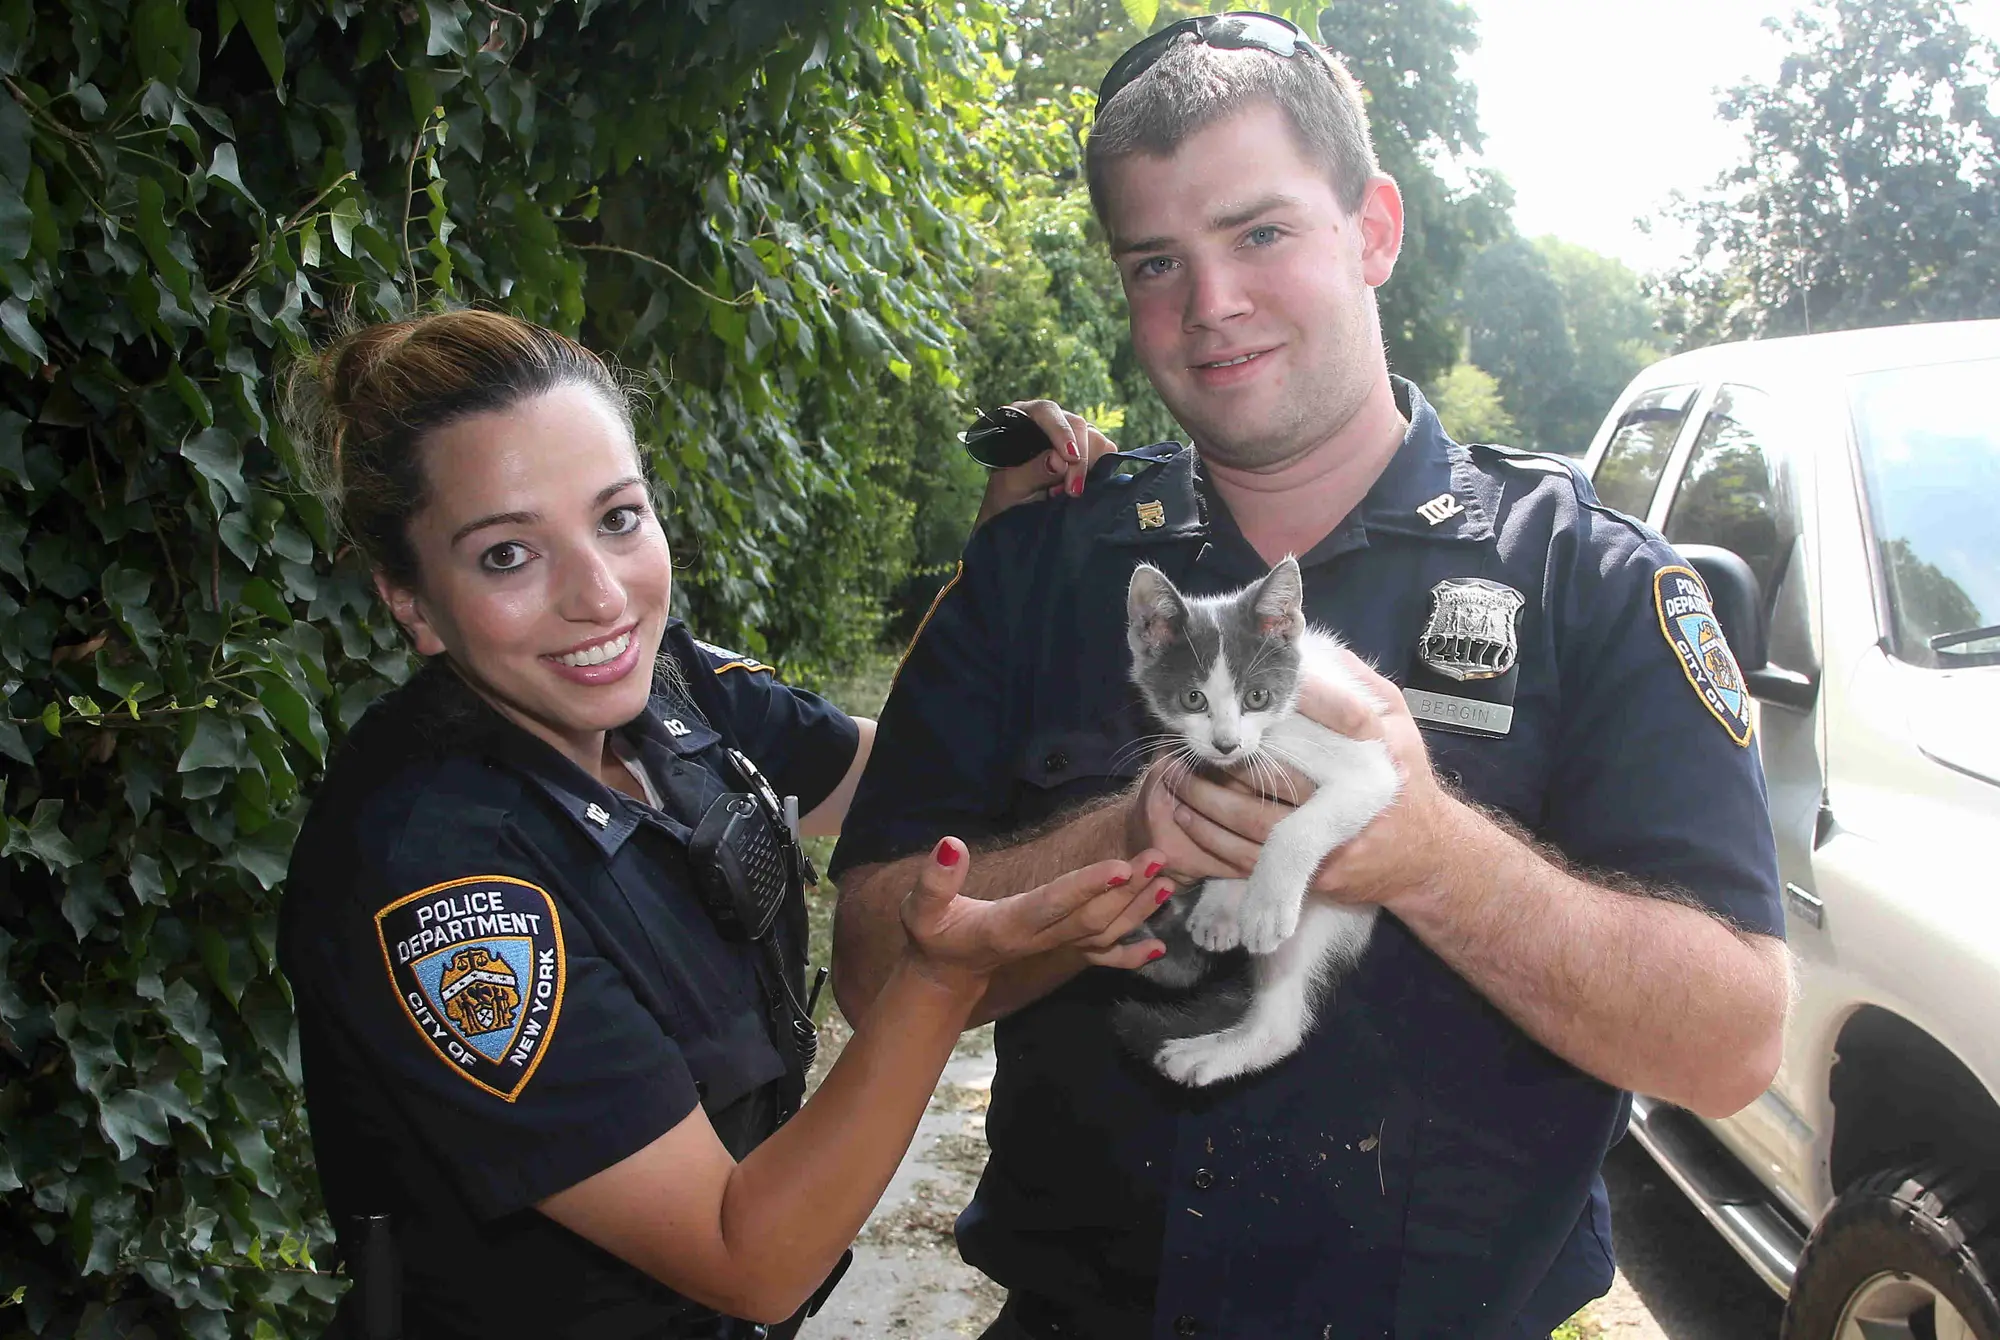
(1542, 462)
(1106, 504)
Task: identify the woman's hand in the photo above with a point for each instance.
(964, 940)
(1074, 447)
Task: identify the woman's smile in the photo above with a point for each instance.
(603, 661)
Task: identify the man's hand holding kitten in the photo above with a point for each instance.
(1217, 823)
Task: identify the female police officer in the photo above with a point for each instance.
(543, 923)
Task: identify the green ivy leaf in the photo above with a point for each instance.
(155, 235)
(14, 320)
(148, 885)
(295, 713)
(228, 961)
(131, 1118)
(42, 837)
(223, 168)
(217, 743)
(260, 17)
(266, 853)
(445, 29)
(219, 458)
(186, 1014)
(341, 221)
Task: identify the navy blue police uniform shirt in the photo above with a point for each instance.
(1420, 1167)
(506, 983)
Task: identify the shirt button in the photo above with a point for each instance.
(1203, 1179)
(1185, 1324)
(1450, 777)
(1056, 761)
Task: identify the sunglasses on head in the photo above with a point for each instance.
(1233, 31)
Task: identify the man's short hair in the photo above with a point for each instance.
(1193, 86)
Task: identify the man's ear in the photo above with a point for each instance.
(1380, 221)
(408, 608)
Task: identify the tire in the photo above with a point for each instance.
(1908, 1252)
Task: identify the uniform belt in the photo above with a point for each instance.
(1047, 1319)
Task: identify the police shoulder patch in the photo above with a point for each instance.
(478, 965)
(1687, 620)
(731, 660)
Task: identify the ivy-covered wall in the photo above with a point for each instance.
(755, 206)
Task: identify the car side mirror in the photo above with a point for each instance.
(1738, 600)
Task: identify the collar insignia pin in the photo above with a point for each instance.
(675, 727)
(1440, 509)
(597, 814)
(1152, 515)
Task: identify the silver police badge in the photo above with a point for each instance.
(1470, 634)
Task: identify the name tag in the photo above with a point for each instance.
(1451, 712)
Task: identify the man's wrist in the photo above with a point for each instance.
(1459, 840)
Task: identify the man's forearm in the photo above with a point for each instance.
(1642, 992)
(868, 933)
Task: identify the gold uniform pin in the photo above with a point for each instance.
(1152, 515)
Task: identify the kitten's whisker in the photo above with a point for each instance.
(1155, 745)
(1292, 764)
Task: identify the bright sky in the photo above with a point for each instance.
(1596, 109)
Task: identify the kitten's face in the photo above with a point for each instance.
(1218, 671)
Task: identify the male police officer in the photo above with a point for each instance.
(1579, 873)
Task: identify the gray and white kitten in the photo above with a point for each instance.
(1222, 673)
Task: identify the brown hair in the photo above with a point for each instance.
(1193, 86)
(361, 407)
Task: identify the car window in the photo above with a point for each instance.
(1930, 461)
(1734, 492)
(1630, 467)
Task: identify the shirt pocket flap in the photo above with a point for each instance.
(1056, 758)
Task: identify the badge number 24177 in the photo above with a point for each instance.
(478, 967)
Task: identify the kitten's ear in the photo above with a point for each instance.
(1280, 601)
(1154, 611)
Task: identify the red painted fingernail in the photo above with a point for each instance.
(1157, 953)
(1075, 452)
(1154, 869)
(946, 855)
(1114, 883)
(1076, 487)
(1166, 892)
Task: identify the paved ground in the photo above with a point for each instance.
(1676, 1280)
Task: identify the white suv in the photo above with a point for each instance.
(1841, 495)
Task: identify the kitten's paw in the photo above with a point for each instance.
(1268, 919)
(1213, 923)
(1212, 1058)
(1199, 1061)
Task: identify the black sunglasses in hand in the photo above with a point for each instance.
(1004, 437)
(1232, 31)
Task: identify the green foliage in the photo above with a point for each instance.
(1467, 400)
(1869, 193)
(758, 208)
(1421, 113)
(1562, 329)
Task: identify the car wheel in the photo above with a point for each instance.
(1905, 1253)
